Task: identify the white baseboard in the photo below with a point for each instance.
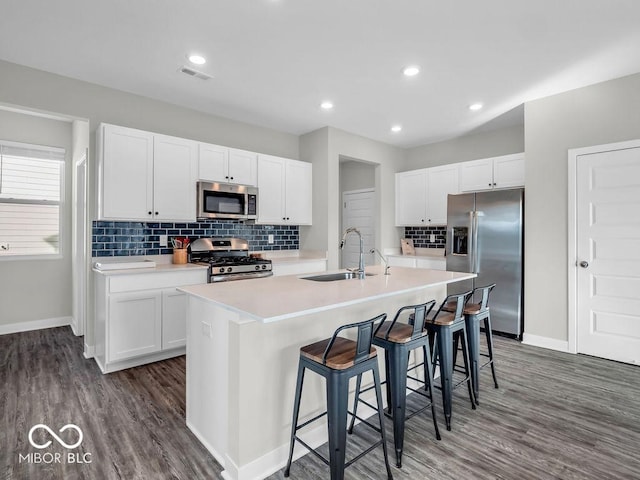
(545, 342)
(34, 325)
(89, 351)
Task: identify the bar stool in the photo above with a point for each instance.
(445, 326)
(474, 313)
(398, 339)
(338, 359)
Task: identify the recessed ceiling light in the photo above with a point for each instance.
(396, 128)
(197, 59)
(411, 70)
(326, 105)
(475, 106)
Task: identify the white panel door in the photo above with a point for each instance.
(608, 255)
(358, 211)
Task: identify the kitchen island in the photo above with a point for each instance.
(243, 342)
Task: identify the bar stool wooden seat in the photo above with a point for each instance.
(446, 327)
(474, 314)
(338, 359)
(398, 340)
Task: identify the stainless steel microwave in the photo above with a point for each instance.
(227, 200)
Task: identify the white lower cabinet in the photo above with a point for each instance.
(141, 317)
(424, 261)
(135, 324)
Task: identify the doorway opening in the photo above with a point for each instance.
(358, 200)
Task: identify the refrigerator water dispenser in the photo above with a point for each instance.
(460, 244)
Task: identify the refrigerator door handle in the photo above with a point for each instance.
(472, 241)
(476, 256)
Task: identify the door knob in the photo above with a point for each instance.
(584, 264)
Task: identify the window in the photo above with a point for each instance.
(31, 193)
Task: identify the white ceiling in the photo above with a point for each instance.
(274, 61)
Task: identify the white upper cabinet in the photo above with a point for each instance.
(145, 176)
(227, 165)
(421, 195)
(506, 171)
(284, 191)
(243, 167)
(174, 178)
(411, 197)
(441, 181)
(213, 163)
(125, 156)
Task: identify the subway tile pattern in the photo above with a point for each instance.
(421, 236)
(117, 239)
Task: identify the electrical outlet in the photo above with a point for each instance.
(432, 237)
(163, 240)
(270, 239)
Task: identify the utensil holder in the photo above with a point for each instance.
(180, 256)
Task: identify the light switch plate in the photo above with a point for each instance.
(432, 238)
(206, 330)
(270, 240)
(163, 240)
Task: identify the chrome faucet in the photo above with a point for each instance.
(384, 259)
(360, 270)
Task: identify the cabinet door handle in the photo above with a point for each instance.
(156, 213)
(150, 213)
(494, 184)
(231, 178)
(489, 184)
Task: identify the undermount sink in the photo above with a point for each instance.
(332, 277)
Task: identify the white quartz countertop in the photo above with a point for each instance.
(160, 267)
(277, 298)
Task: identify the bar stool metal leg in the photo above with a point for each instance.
(467, 372)
(487, 330)
(296, 413)
(337, 396)
(472, 327)
(376, 382)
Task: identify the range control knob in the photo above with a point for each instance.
(257, 267)
(229, 269)
(221, 269)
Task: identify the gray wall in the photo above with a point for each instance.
(325, 148)
(35, 89)
(38, 289)
(356, 176)
(484, 144)
(604, 113)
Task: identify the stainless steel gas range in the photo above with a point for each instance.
(228, 259)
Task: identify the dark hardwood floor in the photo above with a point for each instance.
(555, 416)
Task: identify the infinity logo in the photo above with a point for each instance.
(53, 434)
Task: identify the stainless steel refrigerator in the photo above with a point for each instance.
(485, 236)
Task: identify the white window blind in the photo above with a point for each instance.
(31, 183)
